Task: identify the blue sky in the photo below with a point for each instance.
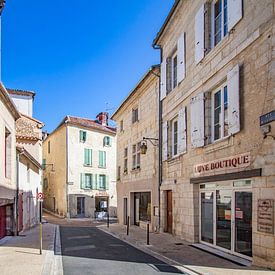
(78, 55)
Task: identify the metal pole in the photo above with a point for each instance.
(148, 234)
(128, 224)
(108, 220)
(40, 226)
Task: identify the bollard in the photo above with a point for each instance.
(128, 224)
(148, 242)
(108, 220)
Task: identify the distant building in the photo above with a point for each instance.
(79, 157)
(8, 186)
(29, 159)
(137, 174)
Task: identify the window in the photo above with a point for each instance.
(86, 181)
(102, 159)
(136, 155)
(171, 72)
(107, 141)
(219, 20)
(219, 113)
(45, 183)
(82, 136)
(103, 183)
(125, 160)
(134, 115)
(28, 173)
(174, 137)
(121, 126)
(142, 207)
(49, 147)
(88, 157)
(7, 153)
(43, 164)
(118, 172)
(174, 71)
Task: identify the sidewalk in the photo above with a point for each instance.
(20, 255)
(178, 252)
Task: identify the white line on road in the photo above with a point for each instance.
(81, 247)
(79, 237)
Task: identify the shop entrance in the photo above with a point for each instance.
(80, 207)
(226, 216)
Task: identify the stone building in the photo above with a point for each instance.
(79, 159)
(8, 187)
(137, 174)
(218, 130)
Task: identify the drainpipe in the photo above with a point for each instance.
(17, 191)
(67, 170)
(156, 47)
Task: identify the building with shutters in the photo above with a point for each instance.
(217, 102)
(79, 160)
(137, 174)
(8, 185)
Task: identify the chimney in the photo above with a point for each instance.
(102, 118)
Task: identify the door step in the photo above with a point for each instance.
(232, 258)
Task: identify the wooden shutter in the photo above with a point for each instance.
(233, 87)
(163, 80)
(197, 120)
(207, 117)
(165, 141)
(82, 181)
(181, 58)
(169, 74)
(182, 130)
(199, 35)
(235, 12)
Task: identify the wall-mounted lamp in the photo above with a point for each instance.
(144, 147)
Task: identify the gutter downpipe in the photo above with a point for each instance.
(17, 192)
(67, 170)
(157, 47)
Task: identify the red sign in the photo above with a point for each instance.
(40, 196)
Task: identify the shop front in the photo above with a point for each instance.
(226, 216)
(142, 207)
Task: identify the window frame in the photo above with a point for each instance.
(125, 164)
(104, 165)
(102, 176)
(91, 157)
(174, 70)
(135, 115)
(136, 156)
(107, 141)
(174, 136)
(222, 122)
(121, 128)
(82, 136)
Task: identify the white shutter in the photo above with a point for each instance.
(233, 88)
(199, 35)
(165, 141)
(182, 130)
(235, 12)
(197, 120)
(163, 80)
(181, 58)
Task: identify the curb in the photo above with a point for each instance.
(159, 256)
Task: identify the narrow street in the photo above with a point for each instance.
(88, 250)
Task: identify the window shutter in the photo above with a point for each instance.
(233, 87)
(181, 58)
(163, 80)
(90, 156)
(82, 181)
(207, 117)
(95, 187)
(104, 141)
(235, 12)
(107, 182)
(199, 35)
(197, 121)
(104, 159)
(169, 74)
(165, 140)
(182, 130)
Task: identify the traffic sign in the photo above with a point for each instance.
(40, 196)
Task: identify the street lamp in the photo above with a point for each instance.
(144, 147)
(2, 4)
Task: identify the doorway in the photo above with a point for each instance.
(80, 207)
(3, 222)
(169, 212)
(226, 216)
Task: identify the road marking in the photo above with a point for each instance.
(116, 245)
(81, 247)
(79, 237)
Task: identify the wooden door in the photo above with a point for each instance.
(169, 212)
(2, 221)
(20, 212)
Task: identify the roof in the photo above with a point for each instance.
(24, 152)
(175, 5)
(21, 92)
(4, 96)
(86, 123)
(147, 74)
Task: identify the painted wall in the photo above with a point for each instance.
(24, 104)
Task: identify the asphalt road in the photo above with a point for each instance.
(88, 250)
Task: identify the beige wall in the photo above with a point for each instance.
(250, 45)
(144, 179)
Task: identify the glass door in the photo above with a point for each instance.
(207, 200)
(243, 223)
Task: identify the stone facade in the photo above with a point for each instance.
(250, 47)
(63, 154)
(143, 177)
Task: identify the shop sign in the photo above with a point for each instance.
(225, 165)
(102, 193)
(266, 216)
(267, 118)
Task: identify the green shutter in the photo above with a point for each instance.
(87, 156)
(91, 156)
(82, 181)
(102, 159)
(110, 141)
(43, 164)
(95, 183)
(82, 136)
(104, 141)
(107, 182)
